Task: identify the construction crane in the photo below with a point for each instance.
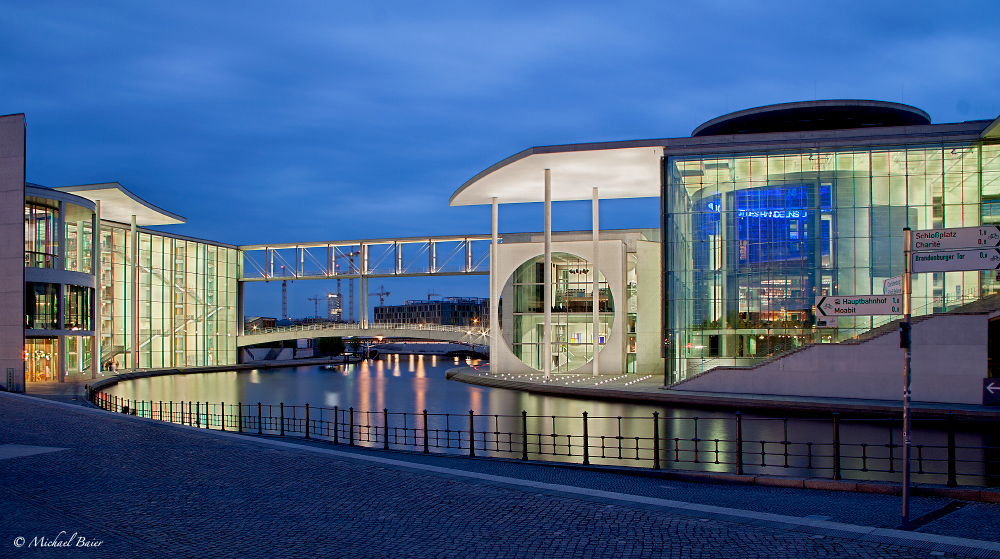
(382, 294)
(350, 284)
(430, 293)
(315, 301)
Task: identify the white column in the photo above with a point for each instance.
(547, 277)
(494, 290)
(595, 264)
(95, 346)
(364, 298)
(134, 302)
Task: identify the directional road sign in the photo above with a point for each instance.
(985, 236)
(991, 391)
(893, 286)
(956, 260)
(859, 305)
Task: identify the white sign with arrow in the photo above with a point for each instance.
(859, 305)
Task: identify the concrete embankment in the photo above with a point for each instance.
(654, 394)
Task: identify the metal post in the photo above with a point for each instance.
(836, 445)
(239, 416)
(524, 435)
(952, 481)
(208, 416)
(260, 424)
(586, 441)
(350, 432)
(427, 447)
(307, 420)
(739, 443)
(336, 423)
(197, 414)
(385, 434)
(595, 264)
(282, 427)
(547, 278)
(656, 438)
(222, 416)
(472, 434)
(905, 343)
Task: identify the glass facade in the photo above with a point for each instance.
(572, 336)
(41, 306)
(41, 359)
(752, 239)
(41, 236)
(186, 300)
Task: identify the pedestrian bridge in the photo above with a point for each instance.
(437, 332)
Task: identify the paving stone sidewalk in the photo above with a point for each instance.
(145, 489)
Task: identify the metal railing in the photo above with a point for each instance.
(857, 449)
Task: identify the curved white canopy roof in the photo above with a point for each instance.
(619, 172)
(118, 204)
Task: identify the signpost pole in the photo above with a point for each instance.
(905, 343)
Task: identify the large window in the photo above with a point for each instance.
(41, 236)
(41, 306)
(571, 335)
(186, 301)
(41, 359)
(753, 239)
(77, 307)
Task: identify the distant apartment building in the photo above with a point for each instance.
(457, 311)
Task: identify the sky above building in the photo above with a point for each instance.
(265, 122)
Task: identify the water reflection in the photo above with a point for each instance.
(617, 431)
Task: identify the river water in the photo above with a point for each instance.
(620, 433)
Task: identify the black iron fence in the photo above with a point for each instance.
(943, 451)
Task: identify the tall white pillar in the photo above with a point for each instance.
(134, 301)
(595, 264)
(494, 290)
(547, 277)
(95, 345)
(364, 298)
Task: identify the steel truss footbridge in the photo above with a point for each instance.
(456, 255)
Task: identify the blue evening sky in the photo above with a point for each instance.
(302, 121)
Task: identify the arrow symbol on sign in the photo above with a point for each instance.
(992, 388)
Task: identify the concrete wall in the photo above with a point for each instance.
(12, 252)
(949, 361)
(648, 327)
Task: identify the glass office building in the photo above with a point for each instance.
(159, 300)
(755, 234)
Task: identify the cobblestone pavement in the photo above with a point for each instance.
(146, 489)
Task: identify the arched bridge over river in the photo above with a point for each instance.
(436, 332)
